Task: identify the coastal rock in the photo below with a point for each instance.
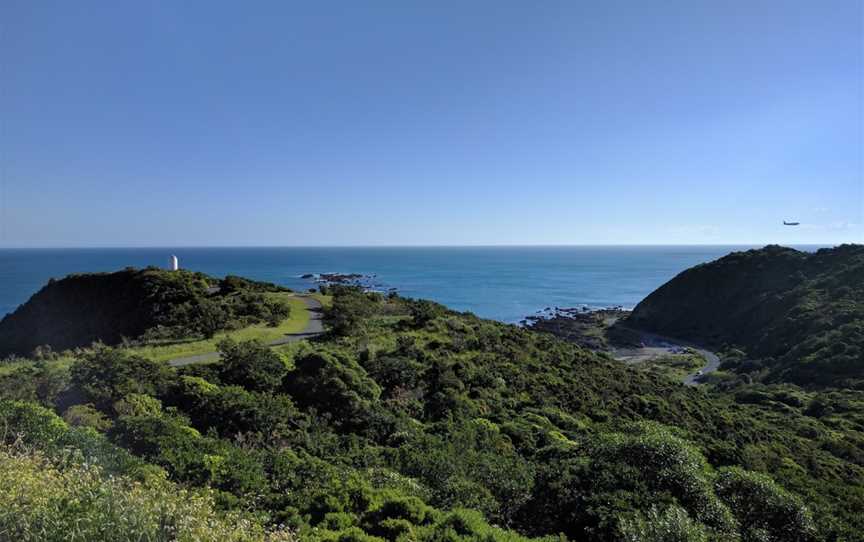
(581, 325)
(342, 278)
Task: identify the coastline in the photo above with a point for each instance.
(606, 331)
(501, 283)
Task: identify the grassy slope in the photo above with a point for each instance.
(673, 366)
(296, 322)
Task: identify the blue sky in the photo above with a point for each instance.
(415, 123)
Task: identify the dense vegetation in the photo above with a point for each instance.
(111, 307)
(412, 422)
(792, 316)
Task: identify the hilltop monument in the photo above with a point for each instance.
(174, 263)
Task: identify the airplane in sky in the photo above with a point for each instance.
(791, 223)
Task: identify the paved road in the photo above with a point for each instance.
(712, 361)
(313, 328)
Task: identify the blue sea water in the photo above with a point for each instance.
(503, 283)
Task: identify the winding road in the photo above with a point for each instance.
(313, 328)
(713, 363)
(712, 360)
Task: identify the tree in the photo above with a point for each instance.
(334, 384)
(277, 312)
(423, 312)
(350, 311)
(596, 486)
(86, 416)
(106, 375)
(251, 364)
(671, 525)
(765, 510)
(209, 317)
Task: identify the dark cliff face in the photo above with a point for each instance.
(80, 309)
(730, 297)
(802, 312)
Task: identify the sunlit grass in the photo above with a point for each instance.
(296, 322)
(10, 367)
(326, 300)
(675, 366)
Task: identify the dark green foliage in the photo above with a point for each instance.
(591, 485)
(34, 427)
(278, 312)
(766, 511)
(351, 310)
(423, 312)
(106, 375)
(232, 410)
(672, 524)
(471, 466)
(209, 317)
(169, 442)
(251, 364)
(38, 383)
(234, 284)
(400, 430)
(110, 307)
(799, 316)
(335, 384)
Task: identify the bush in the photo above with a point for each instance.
(86, 416)
(39, 502)
(107, 375)
(594, 486)
(334, 384)
(251, 364)
(136, 404)
(30, 424)
(350, 311)
(423, 312)
(208, 318)
(277, 312)
(766, 512)
(670, 525)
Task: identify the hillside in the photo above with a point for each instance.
(108, 307)
(797, 316)
(413, 422)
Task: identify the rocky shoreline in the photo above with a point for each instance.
(589, 328)
(367, 282)
(586, 326)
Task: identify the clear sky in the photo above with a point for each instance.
(446, 122)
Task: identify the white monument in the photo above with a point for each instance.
(175, 263)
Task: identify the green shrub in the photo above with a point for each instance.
(106, 375)
(765, 511)
(671, 525)
(251, 364)
(39, 502)
(86, 416)
(334, 384)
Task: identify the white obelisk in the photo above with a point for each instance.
(175, 263)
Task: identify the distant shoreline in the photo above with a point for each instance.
(504, 283)
(348, 247)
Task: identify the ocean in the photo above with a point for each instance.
(502, 283)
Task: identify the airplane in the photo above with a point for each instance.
(791, 223)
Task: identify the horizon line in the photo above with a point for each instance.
(501, 245)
